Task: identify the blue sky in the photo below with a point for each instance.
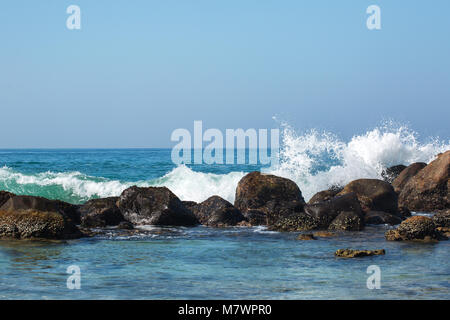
(137, 70)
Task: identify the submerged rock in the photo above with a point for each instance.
(306, 236)
(349, 253)
(324, 234)
(35, 224)
(273, 196)
(428, 190)
(380, 217)
(100, 213)
(154, 206)
(407, 174)
(217, 212)
(415, 228)
(374, 195)
(389, 174)
(299, 221)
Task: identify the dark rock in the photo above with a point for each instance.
(442, 218)
(100, 213)
(189, 204)
(5, 196)
(217, 212)
(415, 228)
(404, 213)
(404, 176)
(276, 197)
(348, 253)
(306, 236)
(34, 224)
(324, 195)
(389, 174)
(373, 194)
(154, 206)
(428, 190)
(325, 212)
(255, 217)
(380, 217)
(18, 203)
(347, 221)
(125, 225)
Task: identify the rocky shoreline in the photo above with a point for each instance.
(261, 200)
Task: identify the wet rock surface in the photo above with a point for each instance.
(349, 253)
(217, 212)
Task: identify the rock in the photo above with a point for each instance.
(306, 236)
(428, 190)
(442, 218)
(274, 196)
(324, 195)
(391, 173)
(34, 224)
(299, 221)
(100, 213)
(217, 212)
(348, 253)
(189, 204)
(324, 234)
(18, 203)
(404, 176)
(347, 221)
(415, 228)
(125, 225)
(325, 212)
(380, 217)
(5, 196)
(373, 194)
(444, 231)
(255, 217)
(403, 212)
(154, 206)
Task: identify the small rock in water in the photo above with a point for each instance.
(349, 253)
(417, 228)
(306, 236)
(324, 234)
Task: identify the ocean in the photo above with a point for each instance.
(207, 263)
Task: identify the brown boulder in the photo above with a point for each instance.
(324, 195)
(407, 174)
(217, 212)
(373, 194)
(442, 218)
(306, 236)
(428, 190)
(18, 203)
(154, 206)
(34, 224)
(415, 228)
(347, 221)
(274, 196)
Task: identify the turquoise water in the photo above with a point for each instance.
(200, 262)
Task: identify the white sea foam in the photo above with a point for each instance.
(314, 160)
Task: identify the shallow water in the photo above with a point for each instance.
(235, 263)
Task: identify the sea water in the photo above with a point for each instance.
(207, 263)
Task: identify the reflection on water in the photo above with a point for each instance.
(234, 263)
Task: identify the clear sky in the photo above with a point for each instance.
(137, 70)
